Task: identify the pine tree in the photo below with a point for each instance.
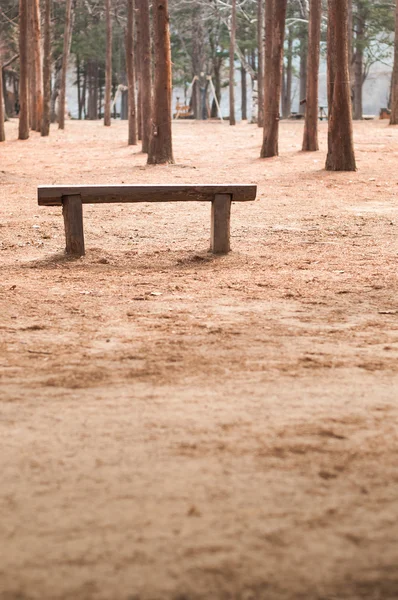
(23, 128)
(108, 65)
(65, 56)
(275, 16)
(160, 147)
(130, 68)
(45, 124)
(310, 140)
(340, 155)
(142, 7)
(232, 120)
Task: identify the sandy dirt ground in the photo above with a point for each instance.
(179, 426)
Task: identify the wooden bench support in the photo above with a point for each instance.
(220, 224)
(72, 197)
(72, 210)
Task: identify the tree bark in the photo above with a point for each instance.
(244, 93)
(23, 129)
(358, 61)
(32, 66)
(268, 24)
(303, 67)
(394, 95)
(55, 90)
(146, 75)
(275, 30)
(310, 140)
(288, 78)
(232, 120)
(340, 139)
(130, 67)
(198, 60)
(108, 65)
(260, 63)
(38, 98)
(138, 70)
(92, 74)
(45, 123)
(350, 38)
(2, 132)
(160, 148)
(65, 56)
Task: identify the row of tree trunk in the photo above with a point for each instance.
(35, 68)
(340, 155)
(150, 115)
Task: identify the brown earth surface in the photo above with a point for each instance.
(180, 426)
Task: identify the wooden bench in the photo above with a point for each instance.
(72, 198)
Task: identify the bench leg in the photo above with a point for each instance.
(220, 224)
(72, 210)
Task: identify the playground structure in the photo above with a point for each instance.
(184, 111)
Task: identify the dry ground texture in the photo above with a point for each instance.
(179, 426)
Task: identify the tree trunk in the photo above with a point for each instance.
(198, 60)
(288, 78)
(340, 140)
(217, 63)
(45, 122)
(350, 39)
(138, 70)
(65, 56)
(130, 67)
(108, 65)
(275, 32)
(160, 149)
(55, 90)
(38, 98)
(244, 93)
(232, 66)
(92, 90)
(358, 61)
(32, 66)
(23, 129)
(268, 24)
(310, 140)
(9, 106)
(79, 86)
(303, 67)
(260, 63)
(394, 95)
(2, 132)
(146, 76)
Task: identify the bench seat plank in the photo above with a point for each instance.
(51, 195)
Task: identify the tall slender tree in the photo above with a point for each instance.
(287, 77)
(23, 128)
(232, 120)
(394, 94)
(310, 140)
(275, 17)
(160, 147)
(130, 67)
(45, 124)
(260, 62)
(38, 76)
(137, 64)
(142, 12)
(65, 57)
(358, 79)
(340, 155)
(108, 65)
